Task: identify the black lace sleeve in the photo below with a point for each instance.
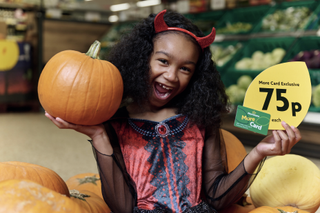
(222, 189)
(117, 187)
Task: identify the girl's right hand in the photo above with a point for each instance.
(91, 131)
(279, 143)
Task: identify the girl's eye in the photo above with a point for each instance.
(163, 61)
(186, 69)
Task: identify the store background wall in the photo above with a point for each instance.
(59, 36)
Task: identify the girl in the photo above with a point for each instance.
(163, 151)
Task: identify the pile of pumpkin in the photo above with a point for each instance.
(31, 188)
(285, 184)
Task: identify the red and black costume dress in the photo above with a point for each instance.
(167, 166)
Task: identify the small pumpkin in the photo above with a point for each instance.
(235, 149)
(80, 88)
(25, 196)
(281, 209)
(289, 180)
(85, 181)
(36, 173)
(9, 54)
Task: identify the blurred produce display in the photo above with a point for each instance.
(115, 33)
(235, 28)
(316, 95)
(236, 92)
(222, 54)
(206, 20)
(260, 60)
(205, 25)
(311, 57)
(242, 20)
(291, 18)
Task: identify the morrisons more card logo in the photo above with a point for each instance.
(252, 120)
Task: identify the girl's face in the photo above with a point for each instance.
(172, 63)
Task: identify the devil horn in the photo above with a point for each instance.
(159, 23)
(160, 26)
(207, 40)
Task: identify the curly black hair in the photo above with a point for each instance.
(203, 101)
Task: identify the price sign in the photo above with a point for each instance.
(283, 91)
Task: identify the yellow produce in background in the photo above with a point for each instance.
(9, 54)
(236, 92)
(289, 180)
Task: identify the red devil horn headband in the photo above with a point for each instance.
(161, 26)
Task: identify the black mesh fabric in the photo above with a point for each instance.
(219, 188)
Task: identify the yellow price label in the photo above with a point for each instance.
(283, 91)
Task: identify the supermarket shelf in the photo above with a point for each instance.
(78, 21)
(298, 33)
(79, 18)
(312, 118)
(13, 6)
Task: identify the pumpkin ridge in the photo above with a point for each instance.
(87, 89)
(97, 105)
(56, 77)
(37, 169)
(36, 172)
(53, 179)
(113, 93)
(72, 86)
(101, 83)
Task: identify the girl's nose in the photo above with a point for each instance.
(171, 75)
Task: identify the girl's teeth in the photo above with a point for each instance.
(164, 87)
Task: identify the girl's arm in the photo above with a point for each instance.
(222, 189)
(116, 190)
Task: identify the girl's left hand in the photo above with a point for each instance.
(280, 142)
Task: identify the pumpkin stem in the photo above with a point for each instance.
(88, 179)
(76, 194)
(243, 200)
(281, 211)
(94, 50)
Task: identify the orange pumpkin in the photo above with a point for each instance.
(85, 181)
(36, 173)
(80, 88)
(89, 201)
(25, 196)
(281, 209)
(235, 149)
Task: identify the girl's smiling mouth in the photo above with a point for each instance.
(162, 91)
